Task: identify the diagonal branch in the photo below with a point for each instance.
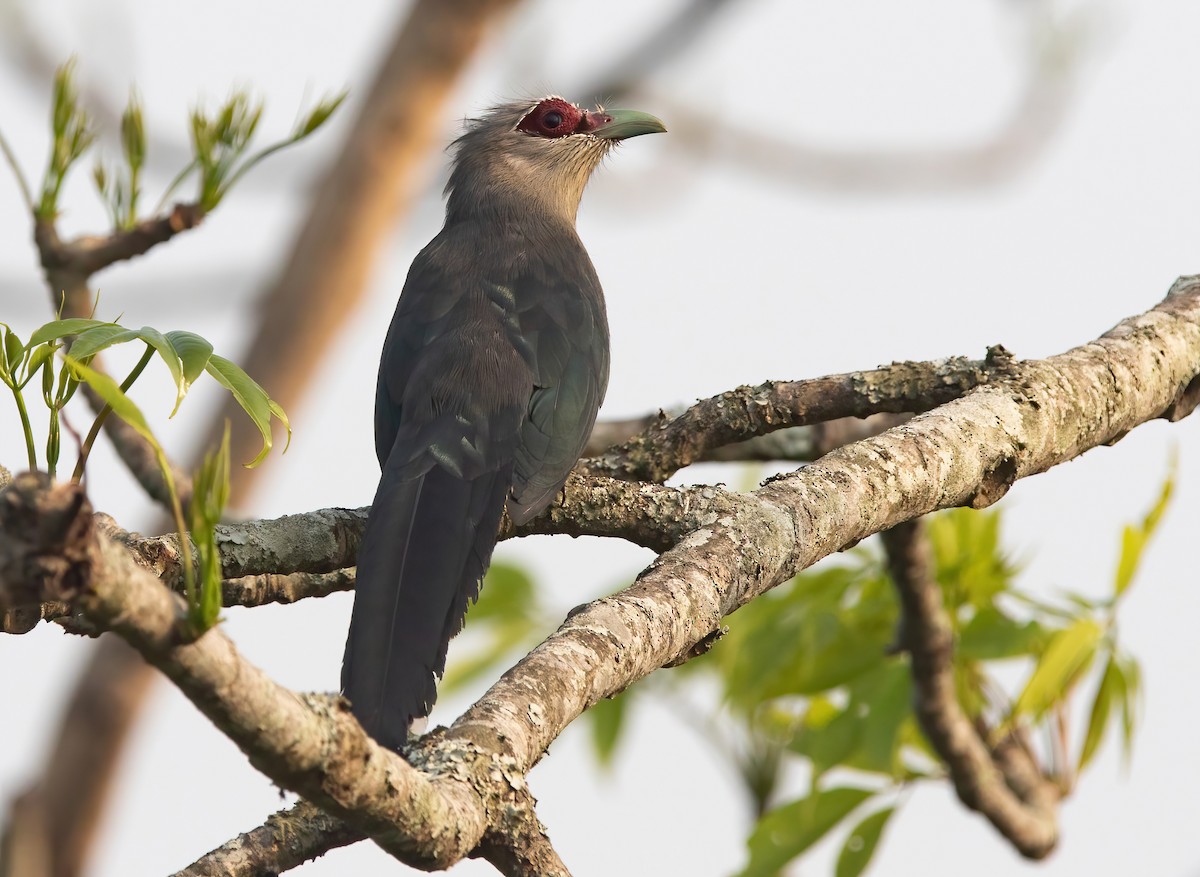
(1011, 794)
(450, 797)
(663, 449)
(654, 51)
(1055, 47)
(968, 452)
(286, 840)
(84, 256)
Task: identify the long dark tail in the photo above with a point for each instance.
(427, 544)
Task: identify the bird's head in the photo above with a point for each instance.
(540, 154)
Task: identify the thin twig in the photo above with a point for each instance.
(673, 37)
(22, 183)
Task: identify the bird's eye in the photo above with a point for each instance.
(552, 118)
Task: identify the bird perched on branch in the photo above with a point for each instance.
(494, 366)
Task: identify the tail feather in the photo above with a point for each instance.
(427, 544)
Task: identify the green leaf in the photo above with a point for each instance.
(133, 133)
(971, 568)
(193, 352)
(1069, 653)
(169, 355)
(40, 358)
(1111, 687)
(828, 627)
(72, 137)
(1134, 539)
(318, 116)
(606, 719)
(786, 832)
(210, 494)
(1129, 693)
(60, 328)
(827, 734)
(860, 845)
(992, 635)
(91, 341)
(508, 594)
(48, 381)
(865, 734)
(253, 399)
(888, 702)
(14, 350)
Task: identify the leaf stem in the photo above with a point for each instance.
(174, 184)
(29, 445)
(253, 160)
(185, 539)
(84, 451)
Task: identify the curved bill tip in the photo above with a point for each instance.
(623, 124)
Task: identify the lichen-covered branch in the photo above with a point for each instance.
(309, 744)
(286, 840)
(451, 797)
(799, 444)
(967, 452)
(664, 448)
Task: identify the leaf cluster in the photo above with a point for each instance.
(186, 357)
(221, 150)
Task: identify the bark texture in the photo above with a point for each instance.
(461, 791)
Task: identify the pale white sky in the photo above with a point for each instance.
(715, 276)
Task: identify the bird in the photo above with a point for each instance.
(493, 368)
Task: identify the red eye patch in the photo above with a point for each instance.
(553, 117)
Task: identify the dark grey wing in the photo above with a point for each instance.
(565, 329)
(428, 308)
(452, 396)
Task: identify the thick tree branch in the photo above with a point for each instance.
(981, 779)
(1041, 414)
(430, 813)
(967, 452)
(58, 816)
